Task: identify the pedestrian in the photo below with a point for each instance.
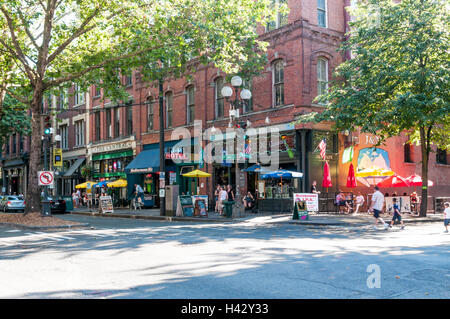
(223, 196)
(216, 198)
(139, 192)
(359, 202)
(377, 206)
(75, 199)
(79, 199)
(397, 215)
(314, 188)
(446, 216)
(230, 192)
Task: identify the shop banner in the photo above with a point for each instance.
(312, 200)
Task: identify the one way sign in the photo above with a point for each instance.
(45, 178)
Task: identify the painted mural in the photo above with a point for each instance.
(372, 158)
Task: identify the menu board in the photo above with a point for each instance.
(187, 206)
(106, 204)
(312, 201)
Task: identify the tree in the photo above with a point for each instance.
(53, 43)
(398, 77)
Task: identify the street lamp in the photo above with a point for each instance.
(238, 102)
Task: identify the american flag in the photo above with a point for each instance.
(247, 149)
(323, 147)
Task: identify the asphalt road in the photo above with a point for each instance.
(123, 258)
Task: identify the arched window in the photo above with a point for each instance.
(218, 98)
(190, 104)
(278, 83)
(322, 76)
(169, 109)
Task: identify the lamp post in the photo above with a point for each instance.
(238, 102)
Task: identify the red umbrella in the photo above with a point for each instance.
(351, 180)
(326, 176)
(394, 181)
(416, 180)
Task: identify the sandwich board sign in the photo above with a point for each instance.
(45, 178)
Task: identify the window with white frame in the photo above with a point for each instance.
(322, 13)
(190, 104)
(108, 123)
(79, 95)
(322, 76)
(64, 133)
(150, 113)
(280, 20)
(278, 83)
(218, 98)
(169, 109)
(117, 122)
(79, 133)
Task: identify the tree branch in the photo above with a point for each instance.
(81, 30)
(18, 50)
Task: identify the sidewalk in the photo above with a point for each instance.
(324, 219)
(150, 214)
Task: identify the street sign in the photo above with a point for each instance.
(45, 178)
(57, 157)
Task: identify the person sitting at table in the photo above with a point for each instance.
(248, 200)
(342, 203)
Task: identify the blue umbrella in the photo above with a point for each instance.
(281, 173)
(252, 168)
(101, 184)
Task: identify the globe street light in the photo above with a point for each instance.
(240, 100)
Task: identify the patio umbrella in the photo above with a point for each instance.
(118, 183)
(101, 184)
(351, 180)
(326, 182)
(394, 181)
(416, 180)
(84, 185)
(197, 173)
(281, 173)
(253, 168)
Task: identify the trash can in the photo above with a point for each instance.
(69, 203)
(228, 208)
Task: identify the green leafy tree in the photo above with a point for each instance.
(54, 43)
(398, 77)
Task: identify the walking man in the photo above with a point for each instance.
(377, 206)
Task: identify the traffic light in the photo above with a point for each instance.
(48, 125)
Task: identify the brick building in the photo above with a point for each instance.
(108, 137)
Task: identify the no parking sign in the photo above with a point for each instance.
(45, 178)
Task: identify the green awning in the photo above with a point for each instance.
(112, 155)
(117, 174)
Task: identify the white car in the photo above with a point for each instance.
(12, 203)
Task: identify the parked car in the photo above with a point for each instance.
(57, 205)
(12, 203)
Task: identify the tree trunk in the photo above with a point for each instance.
(33, 201)
(425, 147)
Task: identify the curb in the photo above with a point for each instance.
(20, 226)
(160, 218)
